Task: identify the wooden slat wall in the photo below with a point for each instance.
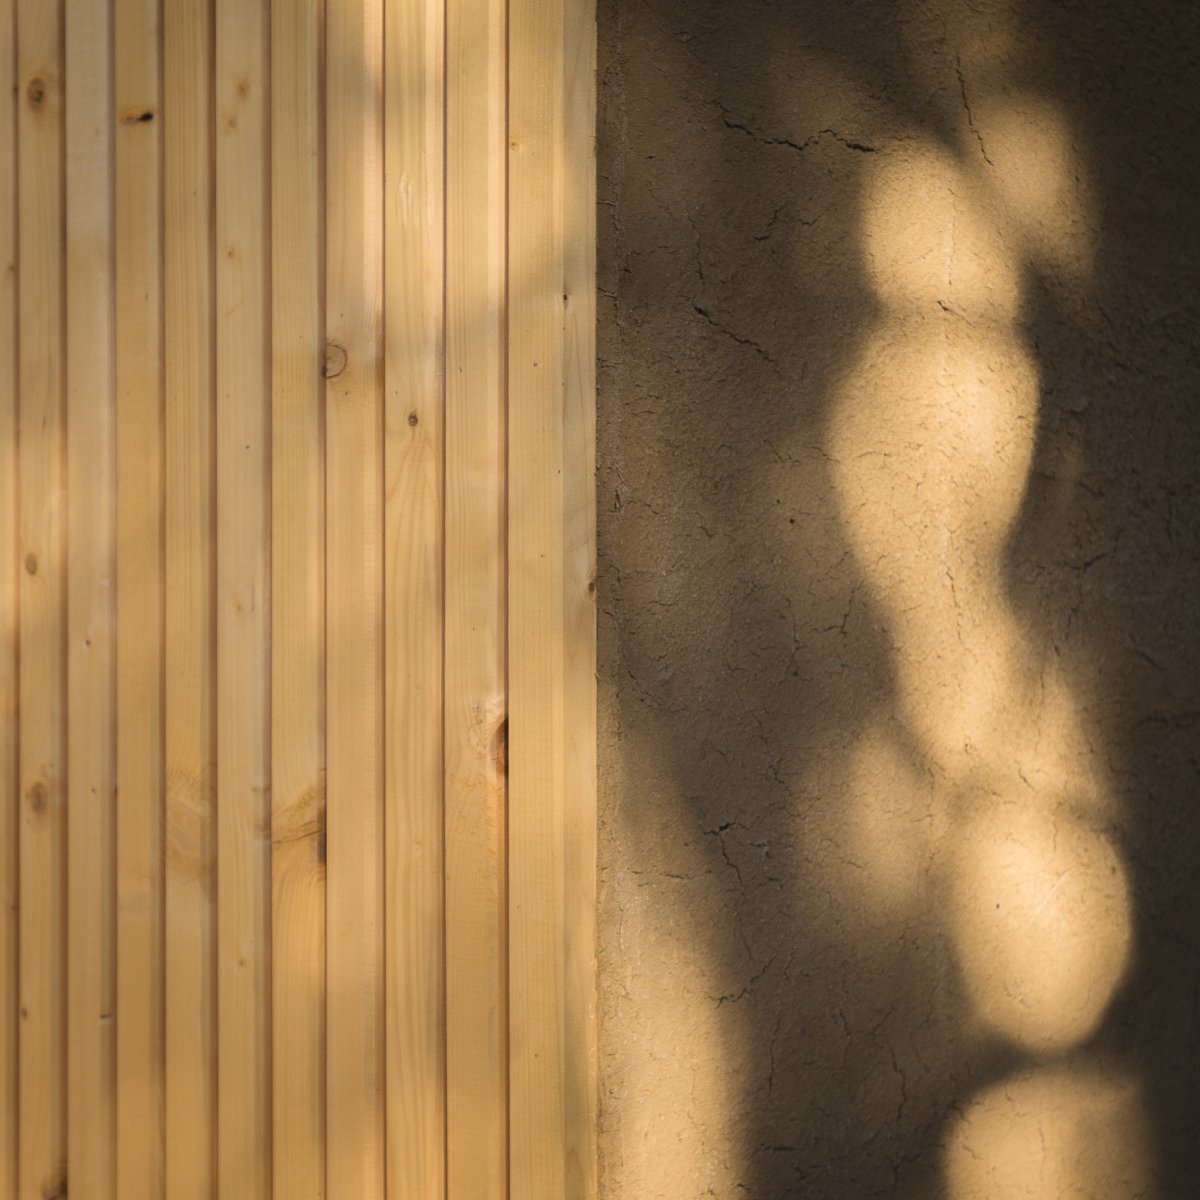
(297, 825)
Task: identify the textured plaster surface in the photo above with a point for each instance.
(899, 641)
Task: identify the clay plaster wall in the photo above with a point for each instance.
(899, 640)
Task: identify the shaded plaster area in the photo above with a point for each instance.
(899, 646)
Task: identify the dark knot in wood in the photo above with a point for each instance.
(336, 359)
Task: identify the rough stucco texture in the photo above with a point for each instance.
(898, 570)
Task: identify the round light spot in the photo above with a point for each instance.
(932, 437)
(1054, 1133)
(1041, 922)
(1041, 181)
(928, 237)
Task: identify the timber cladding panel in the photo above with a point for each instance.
(296, 599)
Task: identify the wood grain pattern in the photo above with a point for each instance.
(41, 428)
(190, 726)
(413, 517)
(353, 414)
(91, 631)
(243, 673)
(140, 782)
(297, 632)
(475, 709)
(579, 598)
(9, 782)
(297, 608)
(536, 622)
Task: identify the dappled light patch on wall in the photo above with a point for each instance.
(931, 436)
(1042, 921)
(1053, 1133)
(1040, 183)
(929, 240)
(888, 529)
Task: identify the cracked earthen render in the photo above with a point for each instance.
(898, 640)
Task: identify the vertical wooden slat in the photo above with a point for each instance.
(536, 620)
(91, 632)
(579, 573)
(354, 249)
(190, 988)
(243, 681)
(41, 1107)
(413, 299)
(140, 1108)
(297, 597)
(9, 784)
(474, 631)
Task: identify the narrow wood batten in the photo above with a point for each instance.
(91, 604)
(10, 878)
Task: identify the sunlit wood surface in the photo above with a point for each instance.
(296, 624)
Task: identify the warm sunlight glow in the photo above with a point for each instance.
(928, 239)
(1041, 918)
(1040, 179)
(933, 435)
(696, 1056)
(1052, 1134)
(932, 441)
(986, 770)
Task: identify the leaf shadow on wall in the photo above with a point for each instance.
(781, 1006)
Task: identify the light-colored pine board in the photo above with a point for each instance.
(297, 608)
(9, 784)
(354, 303)
(91, 610)
(10, 869)
(475, 716)
(41, 428)
(243, 673)
(536, 615)
(190, 723)
(413, 383)
(140, 784)
(579, 574)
